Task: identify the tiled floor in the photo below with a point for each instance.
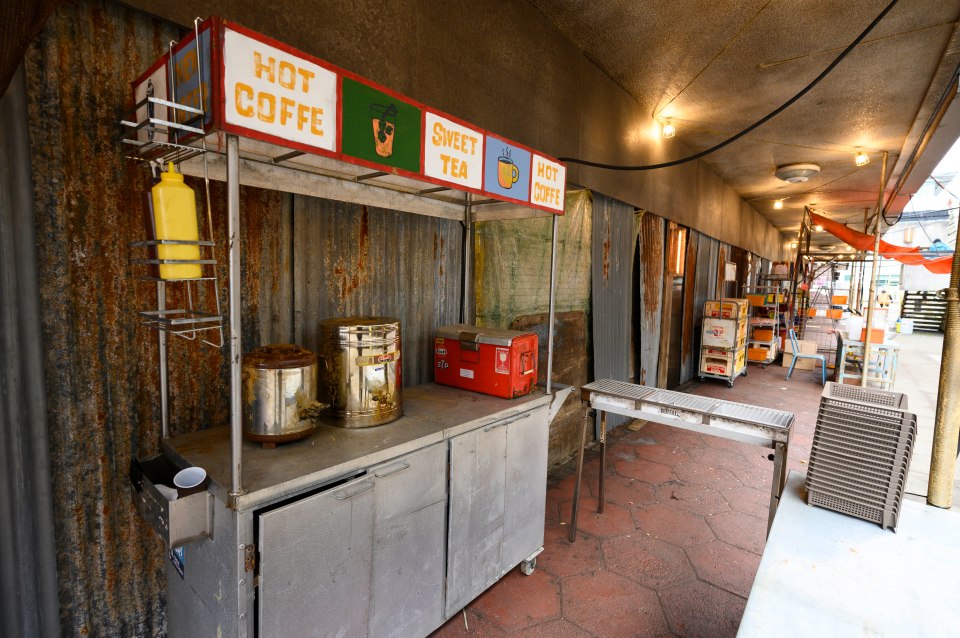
(678, 545)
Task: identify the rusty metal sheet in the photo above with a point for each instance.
(100, 364)
(689, 355)
(355, 260)
(614, 238)
(649, 288)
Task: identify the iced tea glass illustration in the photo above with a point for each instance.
(384, 126)
(507, 171)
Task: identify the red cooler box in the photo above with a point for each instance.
(498, 362)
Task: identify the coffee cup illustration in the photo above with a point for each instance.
(507, 171)
(384, 120)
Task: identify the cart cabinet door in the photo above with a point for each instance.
(477, 475)
(408, 550)
(526, 487)
(315, 560)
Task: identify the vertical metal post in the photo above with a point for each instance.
(872, 297)
(572, 533)
(553, 294)
(603, 460)
(162, 343)
(946, 432)
(233, 239)
(467, 311)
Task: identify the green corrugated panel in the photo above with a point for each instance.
(513, 264)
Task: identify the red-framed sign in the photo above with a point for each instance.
(257, 87)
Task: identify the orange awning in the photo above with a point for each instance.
(903, 254)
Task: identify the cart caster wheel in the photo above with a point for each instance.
(701, 379)
(744, 372)
(764, 366)
(527, 566)
(729, 384)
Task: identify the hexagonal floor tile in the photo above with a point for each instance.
(554, 629)
(539, 591)
(740, 530)
(674, 525)
(725, 566)
(695, 498)
(749, 500)
(659, 453)
(713, 457)
(614, 521)
(474, 627)
(562, 558)
(625, 491)
(646, 560)
(643, 470)
(702, 610)
(705, 475)
(609, 605)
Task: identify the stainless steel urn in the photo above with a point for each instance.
(360, 372)
(279, 394)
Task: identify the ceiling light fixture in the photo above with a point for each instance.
(797, 173)
(861, 158)
(778, 204)
(669, 130)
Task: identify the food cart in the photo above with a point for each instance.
(388, 530)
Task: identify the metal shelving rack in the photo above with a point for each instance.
(207, 153)
(723, 338)
(764, 316)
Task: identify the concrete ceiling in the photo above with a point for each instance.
(717, 67)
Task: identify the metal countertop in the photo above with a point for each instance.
(432, 413)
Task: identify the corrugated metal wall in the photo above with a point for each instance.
(614, 239)
(692, 310)
(649, 288)
(28, 573)
(353, 260)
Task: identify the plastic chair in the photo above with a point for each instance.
(797, 355)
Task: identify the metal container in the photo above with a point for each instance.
(360, 372)
(279, 394)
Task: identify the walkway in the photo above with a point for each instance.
(677, 549)
(918, 375)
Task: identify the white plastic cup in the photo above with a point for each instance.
(190, 481)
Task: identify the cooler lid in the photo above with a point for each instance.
(281, 356)
(476, 334)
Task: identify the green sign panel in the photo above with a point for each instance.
(380, 128)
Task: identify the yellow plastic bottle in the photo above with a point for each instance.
(175, 217)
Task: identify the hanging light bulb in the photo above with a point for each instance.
(861, 158)
(669, 130)
(778, 204)
(818, 228)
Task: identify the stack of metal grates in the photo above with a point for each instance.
(861, 453)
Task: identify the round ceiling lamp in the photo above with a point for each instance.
(797, 173)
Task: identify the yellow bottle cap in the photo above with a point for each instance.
(171, 173)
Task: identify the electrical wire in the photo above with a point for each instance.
(758, 123)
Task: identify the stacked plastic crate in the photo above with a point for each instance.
(861, 453)
(724, 339)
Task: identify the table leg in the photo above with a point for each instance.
(603, 459)
(779, 480)
(572, 535)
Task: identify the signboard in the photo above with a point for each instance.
(257, 87)
(506, 169)
(452, 152)
(380, 128)
(278, 93)
(549, 179)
